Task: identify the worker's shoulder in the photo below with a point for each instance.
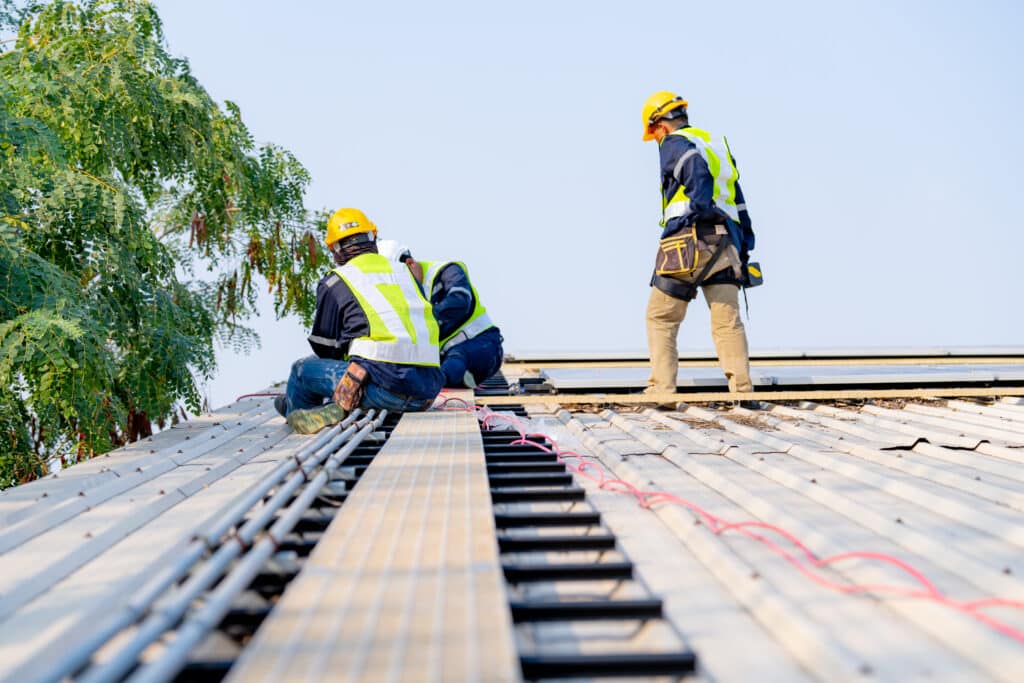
(333, 283)
(676, 144)
(453, 267)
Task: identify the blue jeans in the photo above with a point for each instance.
(312, 381)
(481, 356)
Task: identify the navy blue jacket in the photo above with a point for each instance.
(697, 179)
(339, 319)
(452, 299)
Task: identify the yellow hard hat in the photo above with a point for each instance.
(657, 105)
(347, 222)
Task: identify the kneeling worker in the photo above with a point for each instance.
(470, 342)
(374, 336)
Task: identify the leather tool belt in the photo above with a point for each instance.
(678, 254)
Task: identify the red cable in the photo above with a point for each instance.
(647, 499)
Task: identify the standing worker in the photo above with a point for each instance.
(705, 242)
(374, 336)
(470, 342)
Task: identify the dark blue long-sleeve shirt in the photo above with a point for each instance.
(696, 177)
(339, 319)
(452, 299)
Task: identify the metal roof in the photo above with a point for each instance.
(171, 552)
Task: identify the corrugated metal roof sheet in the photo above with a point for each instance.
(936, 484)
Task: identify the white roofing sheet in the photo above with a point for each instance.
(865, 352)
(937, 486)
(636, 378)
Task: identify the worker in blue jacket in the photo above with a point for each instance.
(371, 319)
(702, 198)
(470, 342)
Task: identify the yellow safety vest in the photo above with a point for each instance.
(715, 152)
(478, 320)
(402, 325)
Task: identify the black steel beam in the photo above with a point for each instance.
(568, 571)
(517, 494)
(530, 479)
(628, 664)
(301, 546)
(506, 448)
(584, 610)
(248, 618)
(270, 583)
(568, 543)
(208, 671)
(535, 456)
(518, 467)
(505, 520)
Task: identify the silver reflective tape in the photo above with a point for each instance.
(324, 341)
(677, 171)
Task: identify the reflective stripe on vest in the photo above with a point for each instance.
(724, 175)
(402, 325)
(477, 322)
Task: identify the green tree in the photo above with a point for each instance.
(137, 218)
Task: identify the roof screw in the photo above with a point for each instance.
(755, 576)
(161, 492)
(187, 437)
(865, 670)
(81, 493)
(899, 520)
(179, 450)
(977, 479)
(241, 450)
(88, 534)
(152, 450)
(138, 469)
(1007, 571)
(814, 481)
(45, 495)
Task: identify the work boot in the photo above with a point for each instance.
(312, 420)
(281, 405)
(663, 407)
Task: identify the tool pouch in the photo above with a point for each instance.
(752, 275)
(678, 255)
(349, 391)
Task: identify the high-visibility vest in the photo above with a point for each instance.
(402, 325)
(477, 322)
(715, 152)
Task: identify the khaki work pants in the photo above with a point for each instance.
(664, 315)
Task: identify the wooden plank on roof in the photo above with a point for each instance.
(405, 584)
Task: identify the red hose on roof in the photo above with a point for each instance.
(804, 561)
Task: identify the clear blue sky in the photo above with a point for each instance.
(878, 145)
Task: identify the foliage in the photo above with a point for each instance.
(120, 181)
